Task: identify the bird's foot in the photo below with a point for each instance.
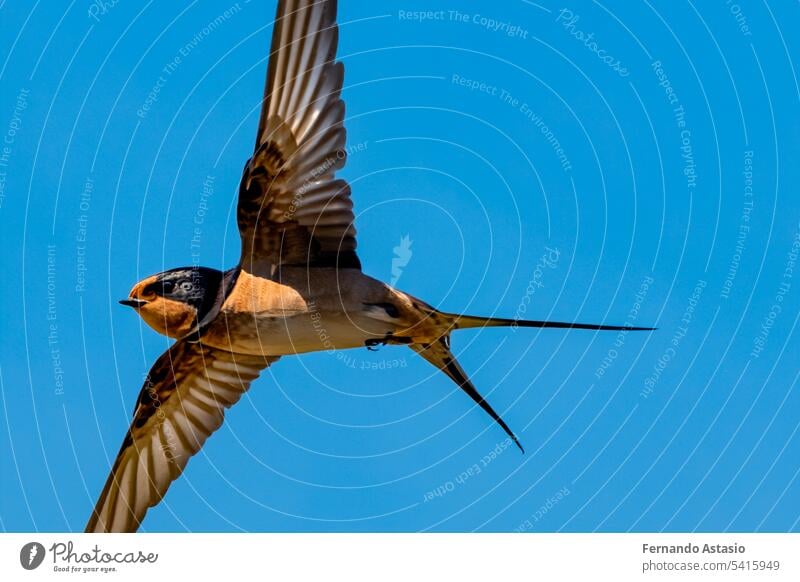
(372, 344)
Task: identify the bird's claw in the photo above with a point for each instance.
(372, 344)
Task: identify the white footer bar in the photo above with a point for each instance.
(401, 557)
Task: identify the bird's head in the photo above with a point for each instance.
(177, 302)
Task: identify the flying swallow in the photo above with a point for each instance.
(298, 273)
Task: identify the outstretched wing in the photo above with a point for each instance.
(183, 401)
(292, 211)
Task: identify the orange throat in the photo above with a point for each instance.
(171, 318)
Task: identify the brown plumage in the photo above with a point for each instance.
(167, 316)
(298, 273)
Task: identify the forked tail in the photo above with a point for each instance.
(471, 321)
(438, 352)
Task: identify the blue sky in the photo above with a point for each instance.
(600, 162)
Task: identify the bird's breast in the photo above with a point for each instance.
(265, 317)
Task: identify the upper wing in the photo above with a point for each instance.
(291, 209)
(182, 402)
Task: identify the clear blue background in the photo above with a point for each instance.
(328, 444)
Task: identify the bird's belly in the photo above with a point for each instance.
(271, 335)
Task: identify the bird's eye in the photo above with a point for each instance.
(167, 286)
(186, 286)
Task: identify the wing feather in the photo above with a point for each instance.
(182, 403)
(290, 211)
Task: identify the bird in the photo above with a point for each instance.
(298, 286)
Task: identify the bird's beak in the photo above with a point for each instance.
(135, 303)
